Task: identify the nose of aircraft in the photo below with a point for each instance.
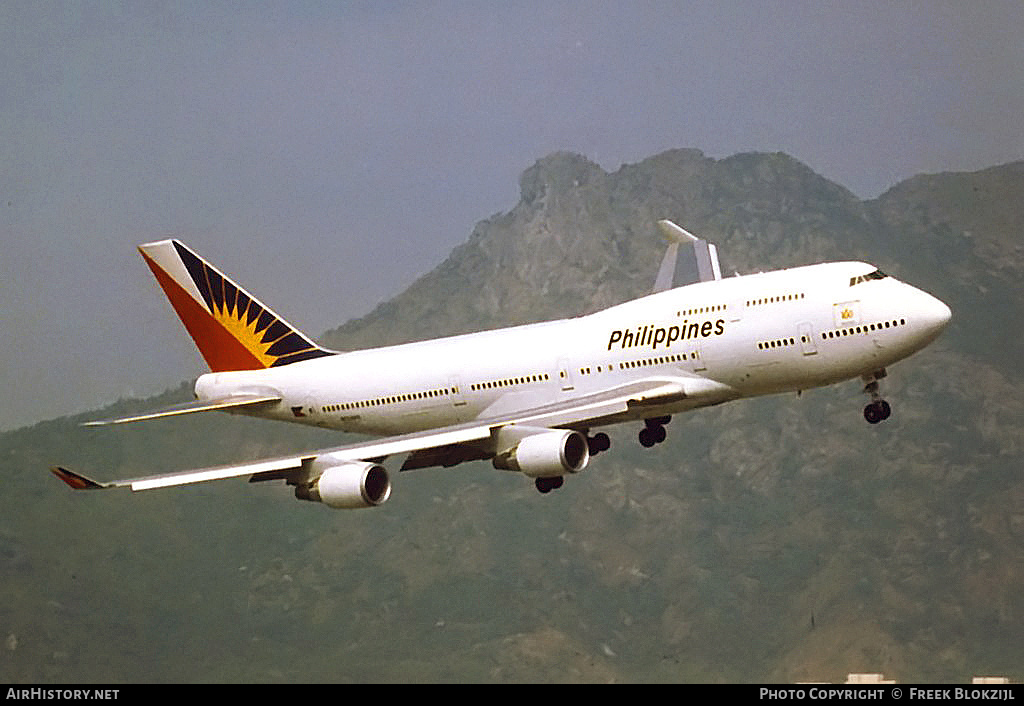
(932, 314)
(938, 313)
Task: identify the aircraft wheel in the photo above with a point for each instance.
(599, 442)
(651, 435)
(877, 411)
(647, 438)
(546, 485)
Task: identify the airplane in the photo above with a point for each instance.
(533, 398)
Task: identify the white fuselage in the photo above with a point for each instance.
(757, 334)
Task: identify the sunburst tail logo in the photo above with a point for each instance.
(232, 329)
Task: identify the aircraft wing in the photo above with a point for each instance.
(81, 482)
(470, 440)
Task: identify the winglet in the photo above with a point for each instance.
(77, 480)
(699, 263)
(674, 234)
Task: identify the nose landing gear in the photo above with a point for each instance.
(878, 409)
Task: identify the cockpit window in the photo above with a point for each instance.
(877, 274)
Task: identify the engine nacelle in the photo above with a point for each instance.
(348, 485)
(542, 453)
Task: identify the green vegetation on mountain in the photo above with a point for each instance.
(779, 539)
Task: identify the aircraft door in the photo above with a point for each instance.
(457, 397)
(807, 338)
(565, 375)
(736, 309)
(697, 357)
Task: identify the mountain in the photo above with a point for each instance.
(779, 539)
(581, 239)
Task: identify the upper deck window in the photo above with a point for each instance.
(877, 274)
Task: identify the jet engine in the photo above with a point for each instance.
(348, 485)
(542, 453)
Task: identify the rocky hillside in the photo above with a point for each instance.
(581, 239)
(778, 539)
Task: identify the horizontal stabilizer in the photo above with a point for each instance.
(222, 404)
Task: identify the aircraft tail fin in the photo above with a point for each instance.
(231, 328)
(699, 261)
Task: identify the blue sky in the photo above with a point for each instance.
(327, 154)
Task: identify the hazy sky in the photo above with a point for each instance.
(327, 153)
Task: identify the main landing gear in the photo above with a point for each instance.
(878, 409)
(598, 442)
(549, 483)
(653, 431)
